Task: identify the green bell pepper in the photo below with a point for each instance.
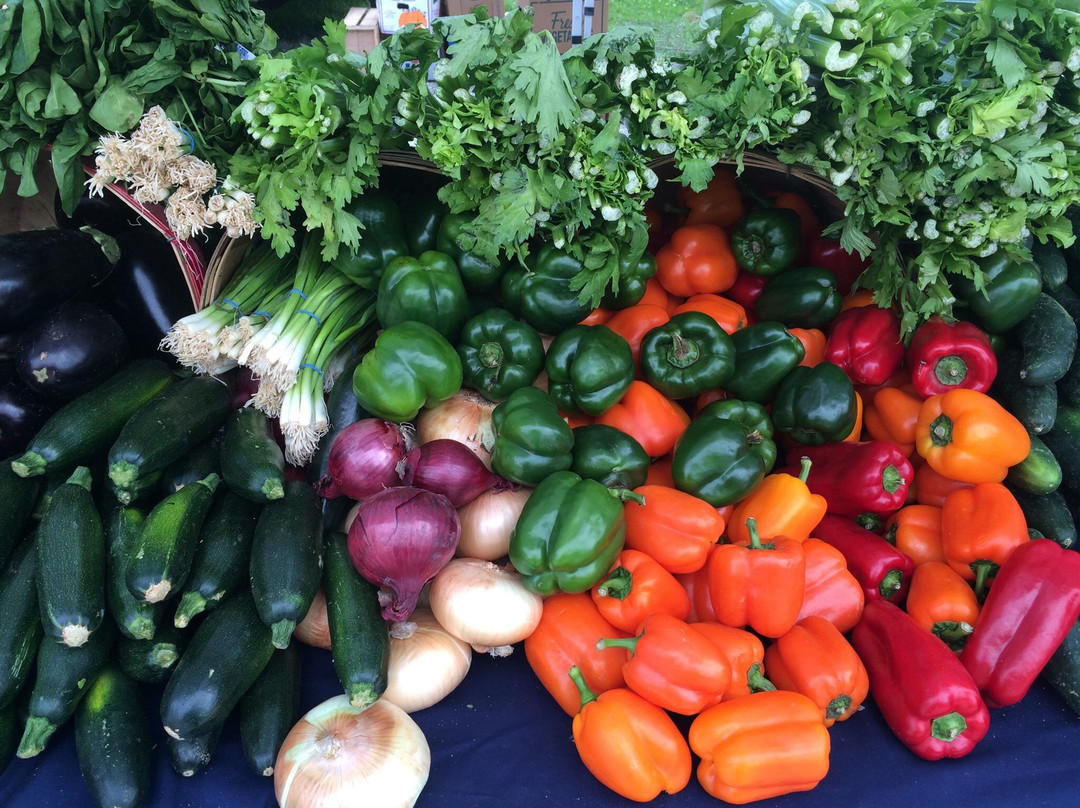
(568, 535)
(725, 452)
(479, 275)
(1008, 296)
(815, 405)
(540, 292)
(531, 439)
(589, 368)
(765, 353)
(499, 354)
(803, 298)
(410, 366)
(687, 355)
(381, 242)
(633, 278)
(426, 213)
(766, 241)
(427, 289)
(609, 456)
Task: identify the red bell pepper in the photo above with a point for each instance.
(747, 289)
(1031, 607)
(858, 478)
(944, 356)
(847, 267)
(884, 572)
(865, 342)
(636, 587)
(927, 697)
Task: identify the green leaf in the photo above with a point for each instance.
(62, 100)
(1006, 61)
(117, 109)
(541, 92)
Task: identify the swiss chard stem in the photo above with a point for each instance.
(584, 692)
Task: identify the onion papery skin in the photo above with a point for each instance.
(366, 457)
(314, 629)
(464, 417)
(425, 666)
(488, 522)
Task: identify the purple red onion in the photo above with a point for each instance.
(450, 468)
(365, 458)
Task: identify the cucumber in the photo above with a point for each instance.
(189, 757)
(286, 559)
(135, 618)
(161, 555)
(18, 495)
(1038, 473)
(10, 730)
(167, 428)
(1064, 442)
(1049, 514)
(198, 464)
(252, 463)
(270, 709)
(222, 557)
(1062, 671)
(20, 628)
(1048, 338)
(112, 740)
(87, 426)
(342, 409)
(1050, 260)
(71, 563)
(151, 661)
(359, 636)
(223, 659)
(1034, 407)
(62, 676)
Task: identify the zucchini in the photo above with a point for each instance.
(342, 409)
(1062, 671)
(71, 563)
(1050, 261)
(198, 464)
(87, 426)
(135, 618)
(359, 636)
(18, 496)
(112, 741)
(151, 661)
(222, 557)
(270, 709)
(252, 463)
(1038, 473)
(1068, 386)
(1034, 407)
(62, 676)
(1064, 442)
(286, 559)
(1069, 300)
(161, 555)
(223, 659)
(167, 428)
(145, 488)
(10, 730)
(20, 628)
(1048, 338)
(1049, 514)
(189, 757)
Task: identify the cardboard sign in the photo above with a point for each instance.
(570, 21)
(455, 8)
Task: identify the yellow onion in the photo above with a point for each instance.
(464, 417)
(314, 628)
(488, 521)
(426, 662)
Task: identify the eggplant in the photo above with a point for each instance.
(107, 213)
(70, 350)
(22, 414)
(7, 346)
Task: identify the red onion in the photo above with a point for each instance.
(450, 468)
(365, 458)
(401, 538)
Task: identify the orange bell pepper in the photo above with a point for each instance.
(857, 299)
(656, 296)
(967, 436)
(891, 415)
(832, 592)
(809, 223)
(728, 314)
(631, 746)
(633, 323)
(943, 603)
(782, 505)
(915, 530)
(696, 586)
(761, 585)
(598, 316)
(760, 746)
(675, 528)
(856, 431)
(660, 473)
(813, 342)
(697, 260)
(646, 415)
(745, 655)
(636, 587)
(720, 202)
(980, 527)
(673, 665)
(569, 628)
(708, 397)
(931, 488)
(814, 659)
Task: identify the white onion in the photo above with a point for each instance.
(426, 662)
(488, 521)
(314, 629)
(464, 417)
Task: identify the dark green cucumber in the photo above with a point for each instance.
(20, 625)
(167, 428)
(191, 756)
(112, 740)
(1050, 260)
(252, 463)
(87, 426)
(18, 496)
(222, 557)
(1034, 407)
(71, 563)
(10, 730)
(135, 618)
(1038, 473)
(161, 556)
(359, 636)
(152, 660)
(1049, 514)
(223, 659)
(1048, 338)
(1064, 442)
(1062, 671)
(342, 409)
(286, 559)
(198, 464)
(270, 709)
(62, 676)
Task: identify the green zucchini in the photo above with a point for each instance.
(1035, 407)
(270, 709)
(1069, 300)
(112, 740)
(359, 636)
(145, 488)
(222, 557)
(189, 757)
(151, 661)
(252, 463)
(198, 464)
(167, 428)
(20, 628)
(87, 426)
(1049, 514)
(18, 496)
(1038, 473)
(1050, 260)
(224, 658)
(10, 730)
(286, 559)
(1064, 442)
(161, 556)
(135, 618)
(1048, 338)
(71, 563)
(1062, 671)
(62, 676)
(1068, 386)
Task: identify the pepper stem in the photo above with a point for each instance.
(954, 634)
(617, 585)
(756, 680)
(683, 352)
(984, 570)
(941, 430)
(947, 727)
(891, 478)
(951, 370)
(890, 534)
(491, 354)
(625, 494)
(871, 521)
(583, 690)
(751, 528)
(629, 643)
(805, 469)
(838, 707)
(890, 583)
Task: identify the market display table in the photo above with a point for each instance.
(500, 741)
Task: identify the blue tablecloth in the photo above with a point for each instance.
(500, 740)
